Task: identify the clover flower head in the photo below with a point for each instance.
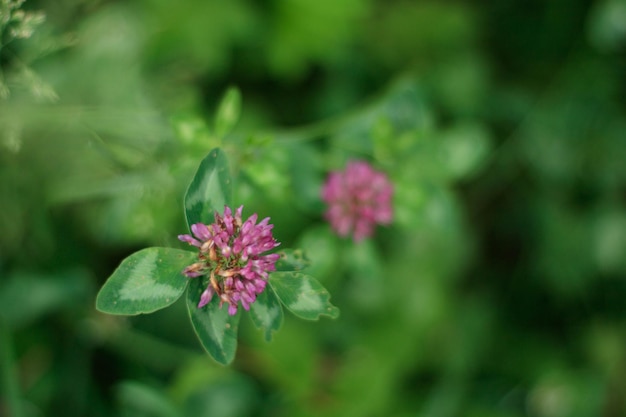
(231, 255)
(358, 198)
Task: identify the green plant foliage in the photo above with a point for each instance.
(26, 297)
(302, 295)
(465, 150)
(308, 29)
(292, 260)
(136, 399)
(146, 281)
(496, 291)
(154, 278)
(267, 313)
(216, 329)
(228, 112)
(210, 190)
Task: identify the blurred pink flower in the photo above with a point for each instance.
(358, 198)
(231, 256)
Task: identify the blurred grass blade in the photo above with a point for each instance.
(27, 297)
(216, 329)
(210, 189)
(146, 281)
(228, 112)
(9, 384)
(137, 399)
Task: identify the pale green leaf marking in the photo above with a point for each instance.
(146, 281)
(303, 295)
(266, 312)
(142, 285)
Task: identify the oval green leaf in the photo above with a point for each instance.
(146, 281)
(210, 190)
(292, 260)
(303, 295)
(266, 312)
(216, 329)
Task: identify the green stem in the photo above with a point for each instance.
(9, 381)
(324, 127)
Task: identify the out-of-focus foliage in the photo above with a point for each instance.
(498, 290)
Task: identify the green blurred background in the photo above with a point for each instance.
(497, 292)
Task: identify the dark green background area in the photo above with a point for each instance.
(498, 291)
